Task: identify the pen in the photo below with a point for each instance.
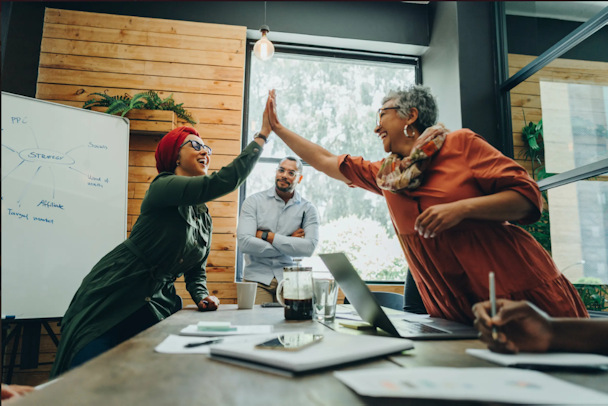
(493, 304)
(192, 345)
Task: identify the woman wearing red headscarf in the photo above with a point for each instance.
(131, 288)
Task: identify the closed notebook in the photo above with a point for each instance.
(334, 349)
(534, 360)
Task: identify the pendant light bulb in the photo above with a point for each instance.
(263, 49)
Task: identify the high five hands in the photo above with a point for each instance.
(271, 110)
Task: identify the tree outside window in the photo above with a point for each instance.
(333, 102)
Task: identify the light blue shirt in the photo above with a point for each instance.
(268, 212)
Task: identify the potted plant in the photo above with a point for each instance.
(535, 152)
(147, 110)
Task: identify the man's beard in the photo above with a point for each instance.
(287, 189)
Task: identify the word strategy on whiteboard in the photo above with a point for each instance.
(42, 177)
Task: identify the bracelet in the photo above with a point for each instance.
(264, 137)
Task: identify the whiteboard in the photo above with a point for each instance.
(64, 200)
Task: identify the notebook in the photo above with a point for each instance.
(334, 349)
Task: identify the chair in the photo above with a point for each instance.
(387, 299)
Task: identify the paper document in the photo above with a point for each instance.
(548, 359)
(175, 344)
(470, 384)
(44, 385)
(192, 330)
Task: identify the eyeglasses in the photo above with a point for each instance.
(291, 174)
(380, 112)
(197, 146)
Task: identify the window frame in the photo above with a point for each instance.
(504, 84)
(309, 50)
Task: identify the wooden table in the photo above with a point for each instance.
(133, 374)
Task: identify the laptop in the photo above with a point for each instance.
(367, 306)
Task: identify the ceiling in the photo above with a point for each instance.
(560, 10)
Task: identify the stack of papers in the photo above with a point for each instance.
(193, 330)
(535, 361)
(470, 384)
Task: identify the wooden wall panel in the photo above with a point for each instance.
(202, 65)
(525, 98)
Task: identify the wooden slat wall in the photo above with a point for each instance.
(525, 98)
(201, 64)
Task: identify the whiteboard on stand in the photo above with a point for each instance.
(64, 200)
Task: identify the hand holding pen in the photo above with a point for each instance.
(523, 326)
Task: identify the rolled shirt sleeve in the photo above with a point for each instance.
(360, 172)
(246, 231)
(301, 247)
(496, 173)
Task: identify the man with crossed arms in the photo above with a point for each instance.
(276, 225)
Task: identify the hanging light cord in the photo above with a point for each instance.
(264, 13)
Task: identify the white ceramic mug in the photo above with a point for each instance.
(245, 294)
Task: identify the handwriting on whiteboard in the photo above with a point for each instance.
(36, 160)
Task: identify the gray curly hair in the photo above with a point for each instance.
(418, 97)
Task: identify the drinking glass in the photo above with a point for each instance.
(324, 298)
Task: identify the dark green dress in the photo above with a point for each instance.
(171, 238)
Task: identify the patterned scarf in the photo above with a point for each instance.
(397, 174)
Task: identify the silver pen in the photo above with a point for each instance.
(493, 304)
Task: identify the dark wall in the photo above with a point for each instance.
(459, 67)
(395, 22)
(533, 36)
(476, 62)
(6, 15)
(21, 49)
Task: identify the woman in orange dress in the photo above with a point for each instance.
(451, 196)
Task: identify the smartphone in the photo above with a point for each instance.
(271, 304)
(290, 342)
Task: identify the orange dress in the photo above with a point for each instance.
(451, 270)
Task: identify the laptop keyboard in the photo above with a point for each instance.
(417, 328)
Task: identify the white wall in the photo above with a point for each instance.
(440, 70)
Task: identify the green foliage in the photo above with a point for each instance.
(149, 100)
(355, 236)
(541, 231)
(588, 280)
(333, 103)
(535, 152)
(594, 296)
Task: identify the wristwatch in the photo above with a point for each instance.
(264, 235)
(262, 136)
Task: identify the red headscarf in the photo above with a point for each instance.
(168, 148)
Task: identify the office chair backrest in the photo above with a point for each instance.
(387, 299)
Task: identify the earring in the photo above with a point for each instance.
(406, 134)
(177, 164)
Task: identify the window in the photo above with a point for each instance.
(332, 99)
(554, 107)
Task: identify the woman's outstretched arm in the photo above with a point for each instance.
(311, 153)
